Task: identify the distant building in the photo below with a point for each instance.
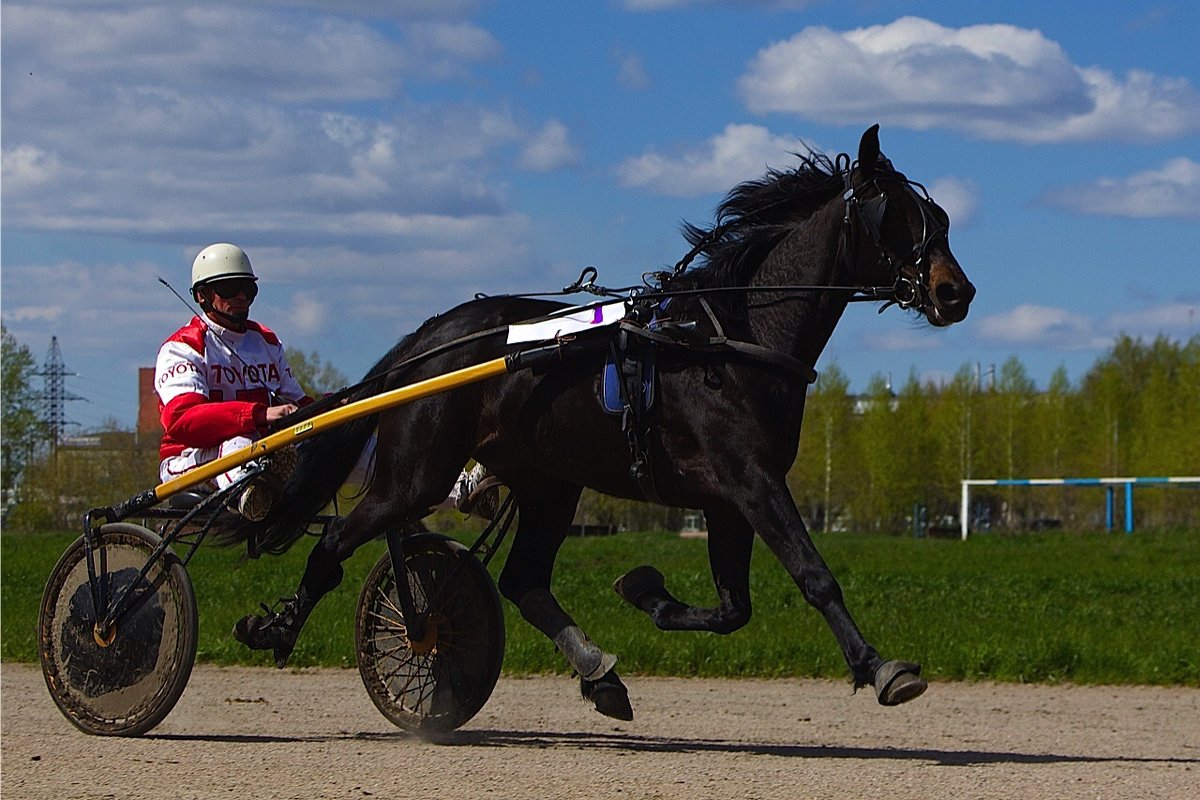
(149, 424)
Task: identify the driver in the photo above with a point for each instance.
(223, 382)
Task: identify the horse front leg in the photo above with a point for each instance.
(730, 542)
(769, 507)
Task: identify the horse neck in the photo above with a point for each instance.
(808, 256)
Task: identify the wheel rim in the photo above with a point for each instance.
(438, 682)
(123, 680)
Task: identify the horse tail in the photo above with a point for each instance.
(322, 466)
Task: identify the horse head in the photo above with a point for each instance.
(910, 235)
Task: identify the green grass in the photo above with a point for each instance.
(1087, 608)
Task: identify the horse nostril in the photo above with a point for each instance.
(951, 295)
(947, 294)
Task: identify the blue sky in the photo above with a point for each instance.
(383, 161)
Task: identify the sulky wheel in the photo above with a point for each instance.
(122, 681)
(436, 684)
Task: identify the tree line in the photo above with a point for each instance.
(871, 461)
(866, 462)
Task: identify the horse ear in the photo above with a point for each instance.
(868, 150)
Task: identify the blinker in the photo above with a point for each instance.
(874, 209)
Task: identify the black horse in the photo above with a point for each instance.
(726, 431)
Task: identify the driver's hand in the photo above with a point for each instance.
(276, 413)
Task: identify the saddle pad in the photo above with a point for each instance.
(568, 322)
(610, 386)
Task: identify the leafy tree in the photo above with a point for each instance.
(822, 478)
(317, 377)
(915, 448)
(875, 506)
(1110, 389)
(23, 430)
(1054, 432)
(1016, 392)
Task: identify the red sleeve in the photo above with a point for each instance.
(191, 420)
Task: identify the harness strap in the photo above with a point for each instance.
(712, 317)
(716, 345)
(760, 353)
(636, 416)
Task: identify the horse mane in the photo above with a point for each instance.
(752, 219)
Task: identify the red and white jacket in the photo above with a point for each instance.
(207, 396)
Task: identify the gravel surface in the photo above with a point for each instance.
(262, 733)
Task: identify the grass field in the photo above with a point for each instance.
(1087, 608)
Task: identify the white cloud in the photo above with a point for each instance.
(394, 9)
(30, 313)
(293, 134)
(193, 119)
(307, 314)
(443, 50)
(1176, 318)
(993, 81)
(1059, 329)
(959, 198)
(739, 153)
(549, 149)
(1171, 191)
(218, 48)
(666, 5)
(631, 71)
(26, 166)
(1030, 324)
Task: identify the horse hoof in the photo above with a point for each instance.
(637, 584)
(271, 632)
(898, 682)
(608, 695)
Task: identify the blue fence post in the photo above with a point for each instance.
(1108, 507)
(1129, 507)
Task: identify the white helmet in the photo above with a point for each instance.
(220, 261)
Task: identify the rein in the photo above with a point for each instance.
(906, 292)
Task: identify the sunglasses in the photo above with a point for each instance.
(227, 290)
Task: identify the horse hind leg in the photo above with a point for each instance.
(278, 629)
(401, 490)
(598, 680)
(525, 580)
(381, 510)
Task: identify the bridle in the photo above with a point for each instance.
(909, 290)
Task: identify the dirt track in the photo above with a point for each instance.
(259, 733)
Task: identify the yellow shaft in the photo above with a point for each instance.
(330, 419)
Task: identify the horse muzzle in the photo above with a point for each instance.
(949, 294)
